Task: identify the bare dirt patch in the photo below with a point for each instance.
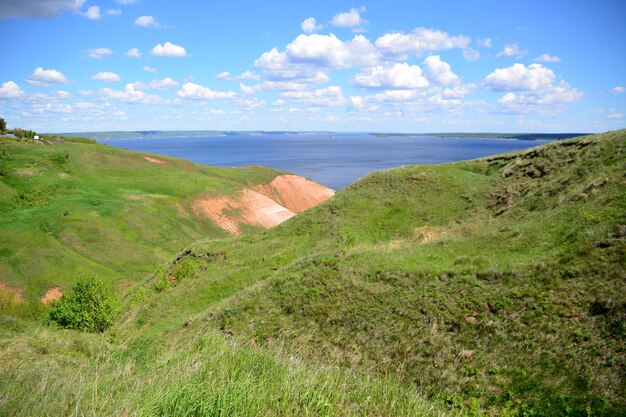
(51, 295)
(13, 293)
(427, 234)
(154, 160)
(295, 192)
(246, 207)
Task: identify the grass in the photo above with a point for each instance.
(486, 287)
(74, 208)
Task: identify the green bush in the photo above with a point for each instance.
(91, 305)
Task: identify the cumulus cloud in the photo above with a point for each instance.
(133, 53)
(44, 77)
(618, 90)
(511, 49)
(531, 89)
(162, 84)
(330, 97)
(309, 25)
(547, 58)
(518, 77)
(130, 95)
(246, 75)
(439, 71)
(109, 77)
(114, 12)
(351, 19)
(93, 13)
(11, 90)
(98, 53)
(399, 76)
(194, 91)
(418, 41)
(39, 9)
(147, 22)
(149, 69)
(168, 49)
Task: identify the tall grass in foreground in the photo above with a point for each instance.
(54, 372)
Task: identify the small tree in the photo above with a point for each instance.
(3, 125)
(90, 305)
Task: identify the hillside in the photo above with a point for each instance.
(71, 209)
(487, 287)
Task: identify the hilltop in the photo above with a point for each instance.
(73, 208)
(486, 287)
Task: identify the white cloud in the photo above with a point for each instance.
(114, 12)
(547, 100)
(471, 54)
(109, 77)
(133, 53)
(618, 90)
(194, 91)
(246, 75)
(93, 13)
(511, 49)
(49, 97)
(126, 2)
(547, 58)
(351, 19)
(330, 96)
(51, 108)
(329, 51)
(458, 91)
(439, 71)
(168, 49)
(418, 41)
(309, 25)
(98, 53)
(11, 90)
(484, 43)
(520, 78)
(399, 76)
(162, 84)
(130, 95)
(285, 85)
(38, 9)
(616, 116)
(149, 69)
(43, 77)
(147, 22)
(63, 94)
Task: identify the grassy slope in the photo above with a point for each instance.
(495, 284)
(76, 208)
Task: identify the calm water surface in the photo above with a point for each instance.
(333, 160)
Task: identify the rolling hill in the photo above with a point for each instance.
(493, 286)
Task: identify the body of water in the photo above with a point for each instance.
(333, 160)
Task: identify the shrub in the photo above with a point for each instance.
(91, 305)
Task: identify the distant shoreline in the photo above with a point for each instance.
(145, 134)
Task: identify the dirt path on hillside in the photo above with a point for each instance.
(51, 295)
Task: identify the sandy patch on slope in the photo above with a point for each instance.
(246, 207)
(154, 160)
(52, 294)
(295, 192)
(16, 294)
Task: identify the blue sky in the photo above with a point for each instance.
(402, 66)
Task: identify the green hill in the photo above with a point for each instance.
(487, 287)
(70, 209)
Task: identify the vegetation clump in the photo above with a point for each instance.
(91, 305)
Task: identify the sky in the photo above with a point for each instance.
(375, 66)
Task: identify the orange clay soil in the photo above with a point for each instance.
(295, 193)
(17, 294)
(248, 207)
(52, 294)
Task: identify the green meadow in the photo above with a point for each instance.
(488, 287)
